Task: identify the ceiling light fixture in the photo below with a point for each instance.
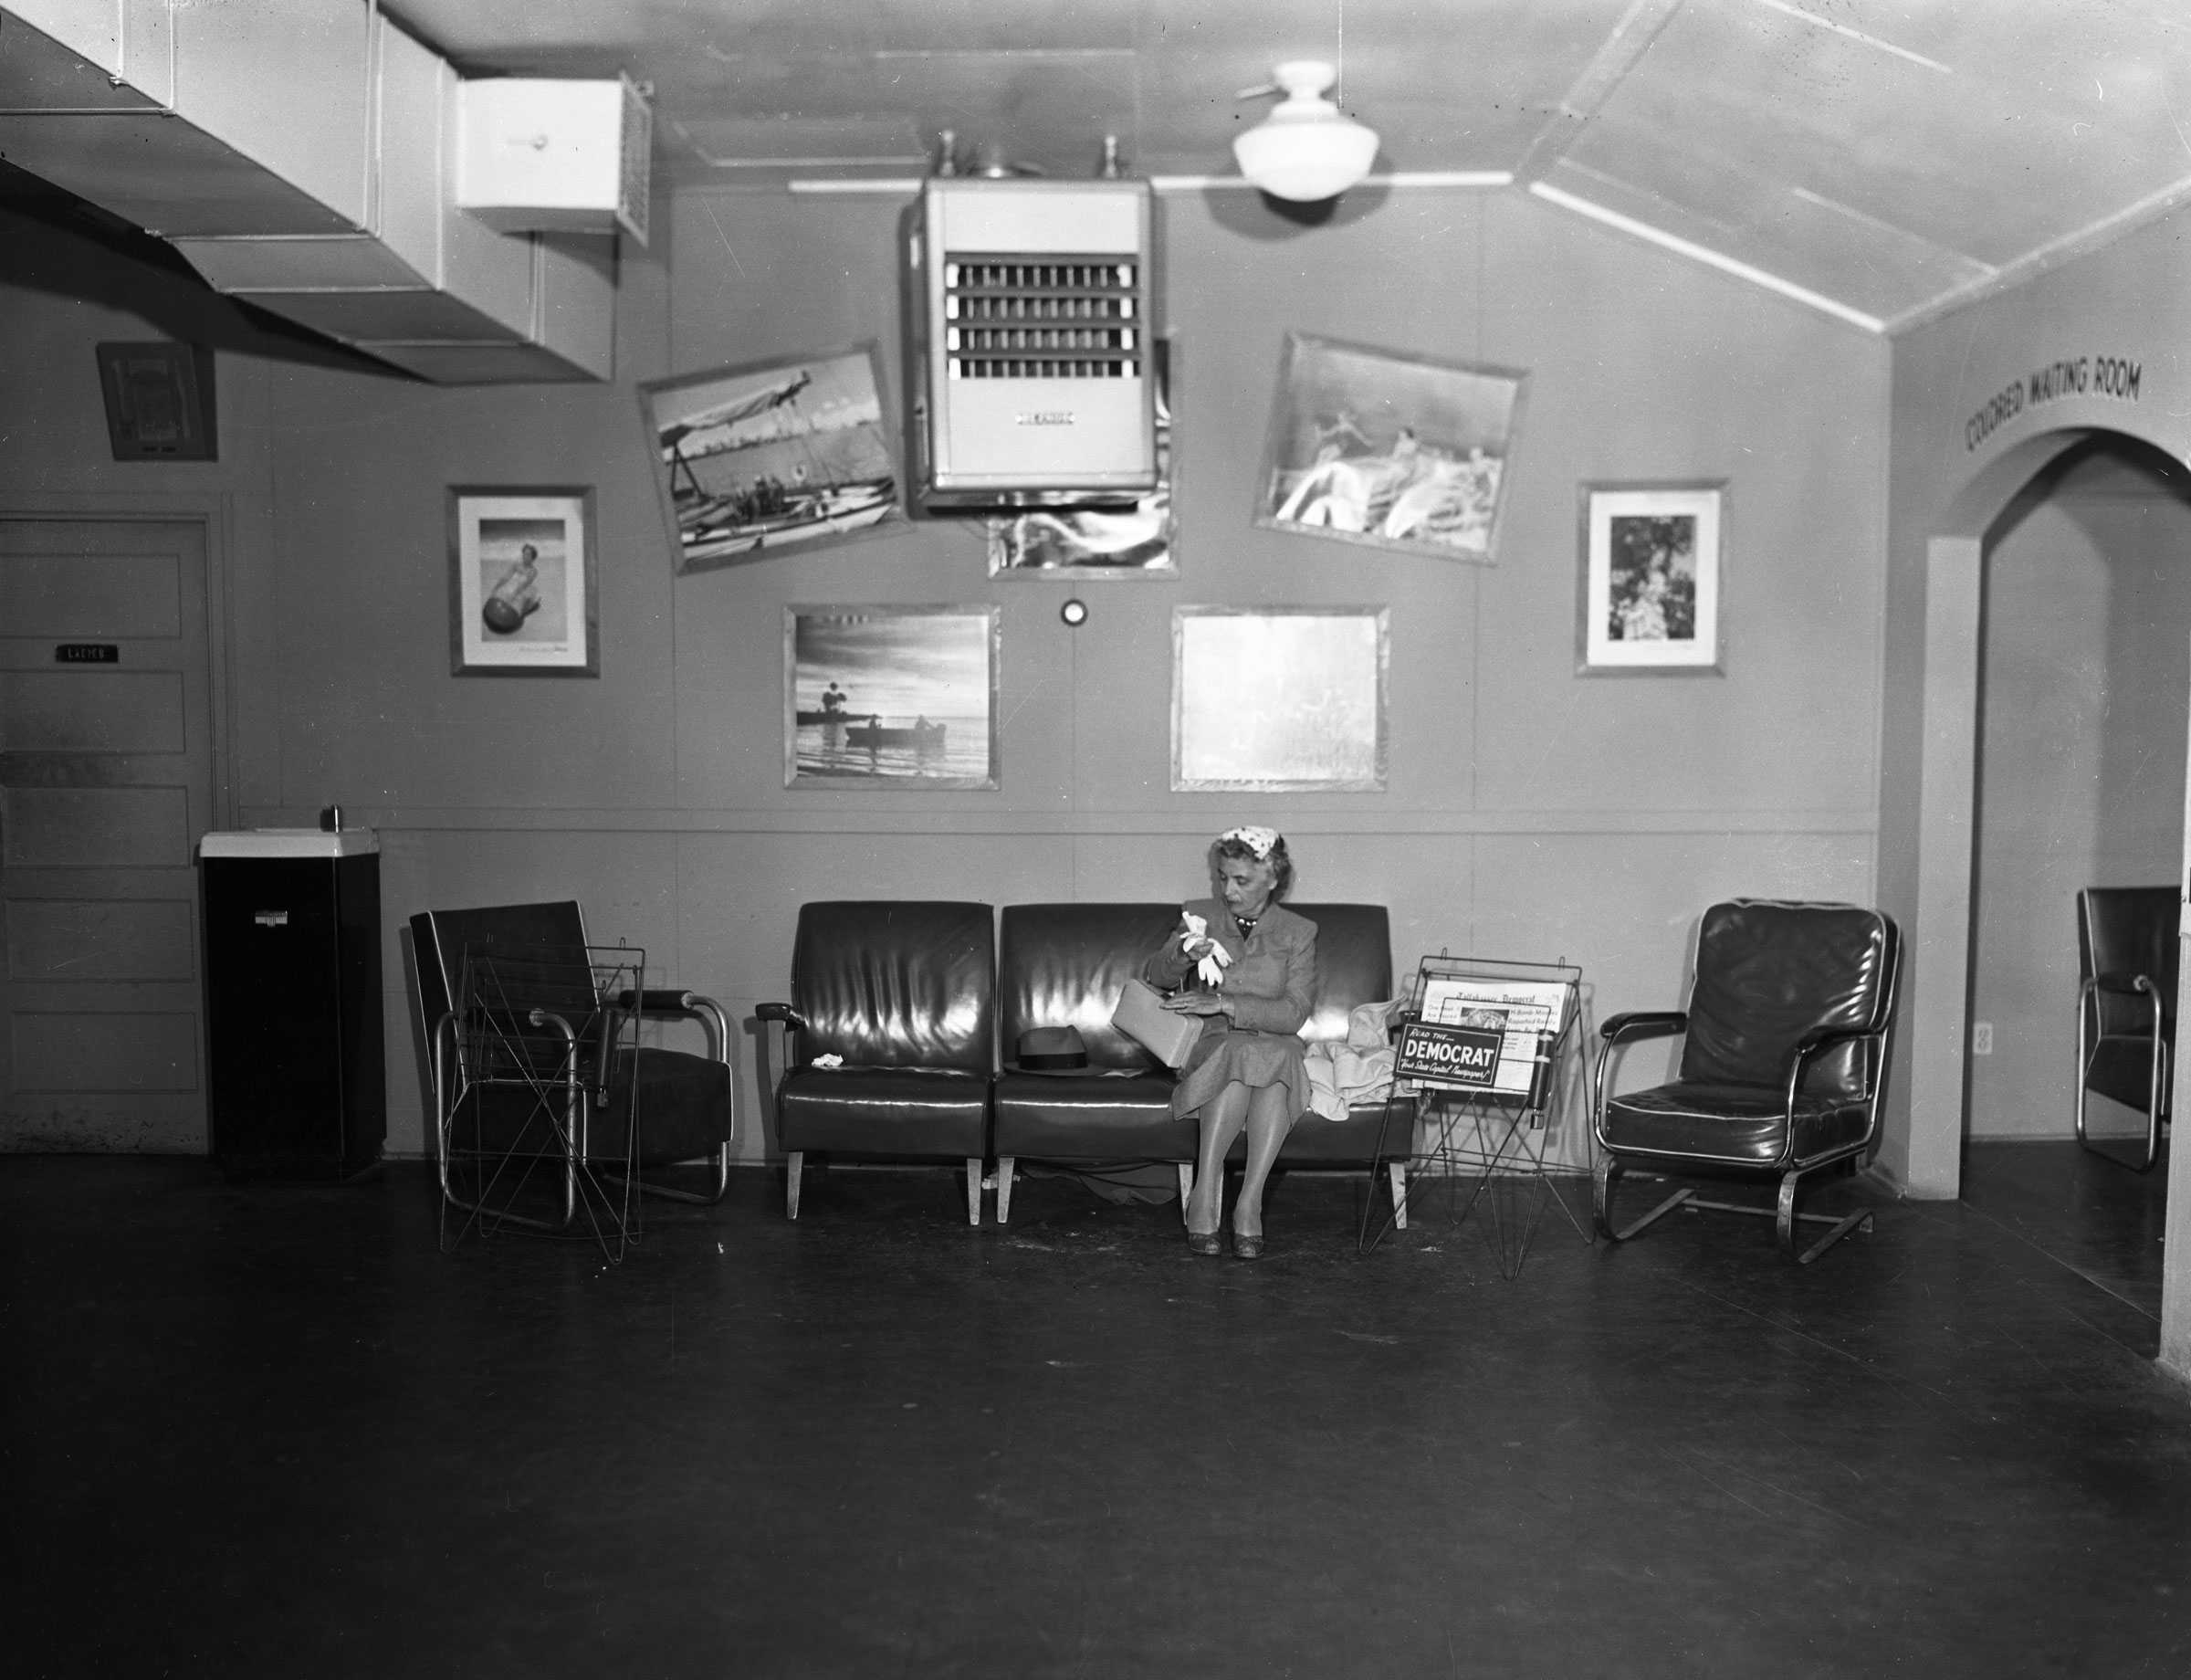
(1304, 150)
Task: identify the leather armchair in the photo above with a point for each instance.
(1783, 1059)
(561, 1029)
(903, 992)
(2126, 962)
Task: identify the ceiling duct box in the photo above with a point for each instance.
(569, 157)
(1032, 380)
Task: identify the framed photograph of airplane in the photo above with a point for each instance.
(773, 457)
(523, 594)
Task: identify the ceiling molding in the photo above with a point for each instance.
(1622, 50)
(1706, 254)
(2033, 263)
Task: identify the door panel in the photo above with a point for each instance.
(106, 782)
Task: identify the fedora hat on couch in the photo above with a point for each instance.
(1051, 1050)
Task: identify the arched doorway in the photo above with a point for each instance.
(1937, 1023)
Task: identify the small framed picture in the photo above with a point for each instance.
(772, 457)
(1278, 700)
(522, 591)
(900, 697)
(1652, 578)
(1398, 451)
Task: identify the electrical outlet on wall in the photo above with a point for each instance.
(1981, 1038)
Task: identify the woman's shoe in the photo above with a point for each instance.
(1204, 1242)
(1247, 1247)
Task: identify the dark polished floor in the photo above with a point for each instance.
(272, 1431)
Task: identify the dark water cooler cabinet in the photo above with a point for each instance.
(296, 1080)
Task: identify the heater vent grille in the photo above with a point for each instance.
(1052, 316)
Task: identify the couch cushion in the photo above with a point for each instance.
(884, 1110)
(896, 983)
(1354, 962)
(1122, 1116)
(1064, 964)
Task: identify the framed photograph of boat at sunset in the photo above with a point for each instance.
(773, 457)
(901, 696)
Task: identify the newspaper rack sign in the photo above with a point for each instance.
(1464, 1055)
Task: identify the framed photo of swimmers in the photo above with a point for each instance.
(1651, 585)
(1398, 451)
(523, 594)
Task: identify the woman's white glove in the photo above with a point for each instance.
(1211, 958)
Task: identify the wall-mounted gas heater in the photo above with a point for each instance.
(1032, 375)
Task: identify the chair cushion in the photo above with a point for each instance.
(684, 1112)
(884, 1110)
(1095, 1116)
(684, 1103)
(896, 983)
(1769, 972)
(1739, 1123)
(2121, 1066)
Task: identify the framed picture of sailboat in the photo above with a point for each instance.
(773, 457)
(890, 697)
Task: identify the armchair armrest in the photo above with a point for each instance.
(2127, 984)
(1623, 1029)
(783, 1014)
(672, 1000)
(1643, 1023)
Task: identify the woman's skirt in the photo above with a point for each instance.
(1227, 1054)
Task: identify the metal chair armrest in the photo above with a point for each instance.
(696, 1005)
(1618, 1031)
(2117, 981)
(1643, 1023)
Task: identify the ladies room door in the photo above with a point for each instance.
(106, 782)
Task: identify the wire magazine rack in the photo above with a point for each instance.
(1484, 1055)
(537, 1109)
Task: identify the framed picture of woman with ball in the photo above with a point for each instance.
(522, 591)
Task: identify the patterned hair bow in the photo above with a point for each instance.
(1257, 840)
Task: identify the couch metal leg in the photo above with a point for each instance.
(792, 1162)
(1186, 1172)
(1398, 1171)
(973, 1190)
(1005, 1166)
(1604, 1181)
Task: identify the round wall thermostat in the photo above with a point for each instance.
(1074, 612)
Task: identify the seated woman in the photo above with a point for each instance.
(1254, 965)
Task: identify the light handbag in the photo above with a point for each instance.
(1142, 1017)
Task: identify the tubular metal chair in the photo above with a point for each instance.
(2126, 960)
(1781, 1068)
(536, 1069)
(888, 1042)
